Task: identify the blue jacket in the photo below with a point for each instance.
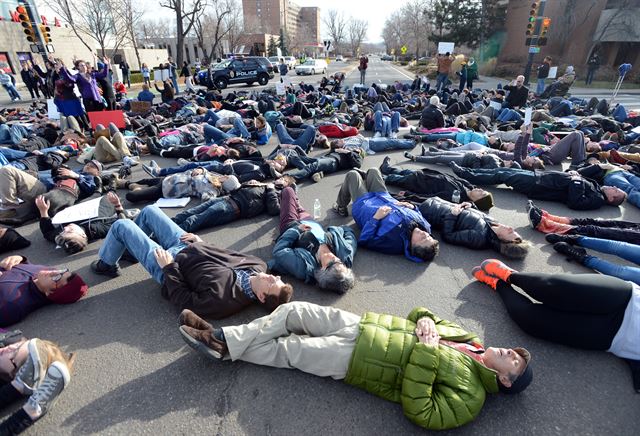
(392, 234)
(146, 96)
(19, 296)
(300, 262)
(263, 135)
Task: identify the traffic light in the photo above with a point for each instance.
(533, 15)
(544, 30)
(45, 31)
(27, 26)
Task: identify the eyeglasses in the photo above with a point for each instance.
(56, 278)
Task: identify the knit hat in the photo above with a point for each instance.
(434, 100)
(74, 290)
(485, 203)
(231, 184)
(524, 380)
(12, 240)
(96, 164)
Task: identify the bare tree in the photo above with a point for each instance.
(393, 32)
(186, 13)
(336, 25)
(233, 21)
(154, 29)
(357, 33)
(90, 18)
(130, 16)
(213, 26)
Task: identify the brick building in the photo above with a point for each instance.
(578, 27)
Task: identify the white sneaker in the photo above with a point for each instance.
(394, 135)
(182, 162)
(377, 135)
(317, 176)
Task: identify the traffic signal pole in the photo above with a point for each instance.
(534, 38)
(32, 13)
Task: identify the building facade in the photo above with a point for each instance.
(578, 29)
(300, 24)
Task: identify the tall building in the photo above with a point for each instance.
(269, 16)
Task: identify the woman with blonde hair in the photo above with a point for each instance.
(35, 369)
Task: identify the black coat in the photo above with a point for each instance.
(471, 228)
(433, 183)
(578, 194)
(432, 118)
(517, 96)
(253, 200)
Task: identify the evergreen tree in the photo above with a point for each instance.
(272, 47)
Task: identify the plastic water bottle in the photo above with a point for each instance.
(317, 209)
(455, 197)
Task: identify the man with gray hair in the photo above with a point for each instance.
(518, 94)
(306, 251)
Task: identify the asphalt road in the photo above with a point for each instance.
(134, 374)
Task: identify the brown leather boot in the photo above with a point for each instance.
(189, 318)
(204, 342)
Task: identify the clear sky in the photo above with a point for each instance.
(374, 11)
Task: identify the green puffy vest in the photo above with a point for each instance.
(438, 387)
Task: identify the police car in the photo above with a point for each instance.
(239, 70)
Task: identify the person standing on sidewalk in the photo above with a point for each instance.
(7, 83)
(364, 64)
(543, 73)
(592, 66)
(126, 73)
(173, 73)
(30, 80)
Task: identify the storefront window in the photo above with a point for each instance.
(4, 63)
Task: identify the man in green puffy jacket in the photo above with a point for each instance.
(436, 370)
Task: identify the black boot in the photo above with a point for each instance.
(571, 253)
(384, 168)
(635, 373)
(552, 238)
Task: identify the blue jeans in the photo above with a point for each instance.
(174, 80)
(13, 134)
(507, 114)
(381, 106)
(626, 181)
(384, 124)
(630, 252)
(327, 165)
(214, 212)
(10, 154)
(170, 141)
(134, 236)
(304, 141)
(211, 117)
(215, 135)
(540, 86)
(13, 92)
(441, 80)
(562, 109)
(382, 144)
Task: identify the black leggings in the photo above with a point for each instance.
(615, 230)
(152, 193)
(179, 152)
(578, 310)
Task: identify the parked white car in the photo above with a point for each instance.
(291, 62)
(339, 58)
(276, 61)
(312, 66)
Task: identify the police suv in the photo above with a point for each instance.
(240, 70)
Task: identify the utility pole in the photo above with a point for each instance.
(533, 34)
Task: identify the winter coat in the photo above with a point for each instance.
(202, 278)
(392, 234)
(290, 255)
(439, 387)
(432, 118)
(434, 183)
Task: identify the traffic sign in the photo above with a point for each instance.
(403, 49)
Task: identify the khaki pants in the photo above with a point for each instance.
(315, 339)
(354, 186)
(111, 151)
(69, 122)
(16, 184)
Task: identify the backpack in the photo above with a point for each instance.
(273, 117)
